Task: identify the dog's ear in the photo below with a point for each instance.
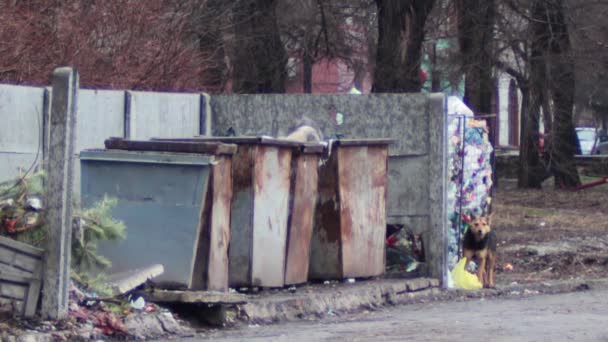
(489, 218)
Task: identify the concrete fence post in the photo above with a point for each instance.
(56, 277)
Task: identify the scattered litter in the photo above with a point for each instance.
(292, 289)
(138, 304)
(330, 312)
(463, 279)
(508, 267)
(530, 292)
(516, 293)
(34, 203)
(326, 282)
(513, 283)
(542, 224)
(254, 326)
(350, 280)
(472, 267)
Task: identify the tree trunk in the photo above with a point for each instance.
(307, 63)
(211, 44)
(400, 38)
(260, 61)
(564, 141)
(476, 33)
(531, 171)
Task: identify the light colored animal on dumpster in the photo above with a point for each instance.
(305, 131)
(304, 134)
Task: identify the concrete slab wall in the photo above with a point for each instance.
(21, 114)
(101, 114)
(417, 162)
(163, 115)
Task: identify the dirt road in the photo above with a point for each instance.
(578, 316)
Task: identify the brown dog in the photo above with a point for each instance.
(480, 243)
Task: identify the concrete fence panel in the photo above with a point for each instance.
(21, 114)
(163, 115)
(101, 114)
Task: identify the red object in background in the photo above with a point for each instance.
(423, 76)
(9, 225)
(541, 143)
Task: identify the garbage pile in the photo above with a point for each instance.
(97, 308)
(470, 177)
(21, 208)
(404, 250)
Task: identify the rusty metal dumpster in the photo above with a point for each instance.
(175, 201)
(261, 177)
(350, 219)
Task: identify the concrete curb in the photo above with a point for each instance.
(318, 301)
(315, 301)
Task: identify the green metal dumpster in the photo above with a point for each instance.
(174, 199)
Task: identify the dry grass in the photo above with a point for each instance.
(530, 220)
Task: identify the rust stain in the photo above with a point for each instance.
(304, 197)
(325, 260)
(210, 267)
(271, 201)
(362, 193)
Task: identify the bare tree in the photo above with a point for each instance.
(400, 37)
(115, 44)
(260, 59)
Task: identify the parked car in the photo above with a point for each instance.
(588, 139)
(602, 144)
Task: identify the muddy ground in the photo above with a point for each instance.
(550, 234)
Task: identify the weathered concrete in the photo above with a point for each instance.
(21, 111)
(321, 300)
(163, 115)
(58, 216)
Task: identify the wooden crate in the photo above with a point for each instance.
(20, 277)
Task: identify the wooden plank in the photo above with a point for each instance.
(166, 145)
(206, 297)
(15, 259)
(13, 290)
(6, 269)
(20, 246)
(31, 300)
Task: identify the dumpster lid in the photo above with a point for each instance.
(307, 147)
(215, 148)
(362, 142)
(146, 157)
